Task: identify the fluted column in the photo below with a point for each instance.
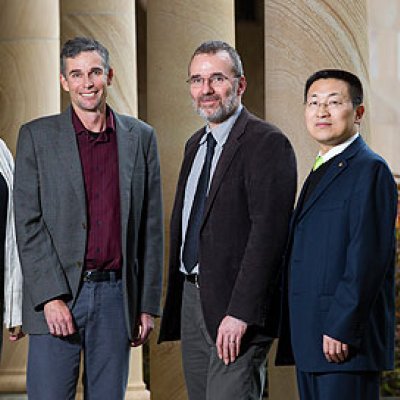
(384, 35)
(112, 23)
(29, 85)
(175, 28)
(302, 36)
(29, 88)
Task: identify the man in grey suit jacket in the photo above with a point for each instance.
(89, 231)
(226, 253)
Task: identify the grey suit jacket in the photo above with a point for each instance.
(51, 217)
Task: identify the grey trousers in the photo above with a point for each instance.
(206, 376)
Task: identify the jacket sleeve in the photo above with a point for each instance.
(370, 257)
(151, 232)
(44, 278)
(12, 267)
(271, 186)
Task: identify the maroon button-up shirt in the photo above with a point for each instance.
(99, 159)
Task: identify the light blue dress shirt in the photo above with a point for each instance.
(221, 133)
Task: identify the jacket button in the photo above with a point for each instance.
(79, 264)
(83, 225)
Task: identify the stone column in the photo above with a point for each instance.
(174, 29)
(384, 35)
(302, 36)
(112, 23)
(29, 89)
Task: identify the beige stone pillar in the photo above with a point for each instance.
(302, 36)
(112, 22)
(29, 88)
(174, 29)
(384, 35)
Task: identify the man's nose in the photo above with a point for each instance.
(87, 80)
(323, 110)
(207, 87)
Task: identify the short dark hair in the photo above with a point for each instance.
(79, 44)
(353, 82)
(215, 46)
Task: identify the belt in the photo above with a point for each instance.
(193, 278)
(93, 275)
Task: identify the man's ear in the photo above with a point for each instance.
(64, 83)
(359, 114)
(110, 76)
(242, 86)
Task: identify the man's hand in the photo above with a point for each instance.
(146, 325)
(15, 333)
(230, 333)
(334, 350)
(59, 318)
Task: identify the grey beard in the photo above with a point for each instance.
(226, 109)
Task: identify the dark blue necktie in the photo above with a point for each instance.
(191, 248)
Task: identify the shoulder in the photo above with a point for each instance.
(264, 138)
(370, 168)
(50, 121)
(262, 129)
(134, 125)
(4, 150)
(366, 157)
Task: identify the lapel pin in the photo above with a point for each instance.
(341, 164)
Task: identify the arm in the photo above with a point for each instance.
(370, 255)
(12, 268)
(150, 249)
(43, 274)
(271, 186)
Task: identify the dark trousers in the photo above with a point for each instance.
(206, 376)
(53, 363)
(338, 385)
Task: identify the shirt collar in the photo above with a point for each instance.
(334, 151)
(79, 128)
(222, 130)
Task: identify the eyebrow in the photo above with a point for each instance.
(74, 71)
(213, 74)
(328, 95)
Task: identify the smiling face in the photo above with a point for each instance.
(216, 99)
(86, 80)
(330, 116)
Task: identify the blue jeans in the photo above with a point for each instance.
(53, 362)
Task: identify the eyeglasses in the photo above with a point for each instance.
(331, 105)
(215, 80)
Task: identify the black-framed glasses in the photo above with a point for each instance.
(214, 80)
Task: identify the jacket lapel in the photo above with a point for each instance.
(128, 146)
(340, 165)
(68, 154)
(230, 148)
